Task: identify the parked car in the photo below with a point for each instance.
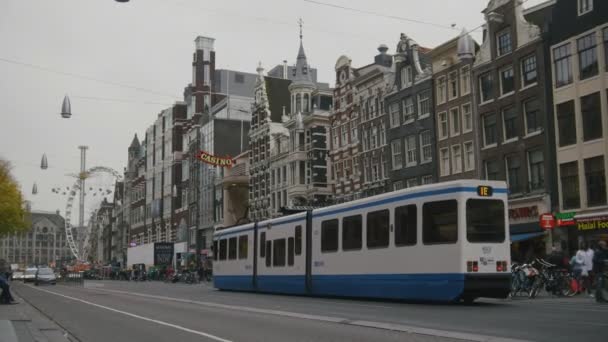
(45, 276)
(30, 274)
(18, 275)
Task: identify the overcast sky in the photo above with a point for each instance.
(148, 44)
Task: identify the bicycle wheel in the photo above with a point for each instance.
(535, 289)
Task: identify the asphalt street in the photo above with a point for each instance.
(156, 311)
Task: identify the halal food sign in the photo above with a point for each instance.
(216, 161)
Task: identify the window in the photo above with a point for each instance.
(562, 65)
(398, 185)
(352, 234)
(467, 118)
(453, 85)
(298, 240)
(456, 159)
(591, 111)
(278, 258)
(269, 256)
(223, 249)
(215, 250)
(536, 170)
(396, 153)
(509, 117)
(344, 130)
(243, 245)
(587, 56)
(585, 6)
(533, 119)
(374, 137)
(528, 71)
(469, 156)
(329, 236)
(596, 181)
(206, 74)
(445, 161)
(408, 110)
(485, 221)
(507, 81)
(426, 149)
(353, 131)
(262, 244)
(570, 187)
(441, 90)
(410, 151)
(465, 80)
(489, 129)
(513, 173)
(290, 252)
(378, 229)
(239, 78)
(503, 42)
(412, 182)
(443, 125)
(424, 105)
(406, 77)
(405, 225)
(382, 134)
(486, 87)
(394, 114)
(455, 121)
(232, 248)
(334, 133)
(427, 179)
(492, 169)
(440, 222)
(566, 123)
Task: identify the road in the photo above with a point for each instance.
(155, 311)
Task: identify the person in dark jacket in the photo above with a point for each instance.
(599, 259)
(556, 258)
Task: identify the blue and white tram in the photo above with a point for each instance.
(440, 242)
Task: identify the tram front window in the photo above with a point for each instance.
(485, 220)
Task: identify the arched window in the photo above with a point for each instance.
(298, 103)
(306, 103)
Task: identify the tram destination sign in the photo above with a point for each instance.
(485, 191)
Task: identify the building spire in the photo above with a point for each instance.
(300, 22)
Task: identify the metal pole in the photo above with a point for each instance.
(82, 177)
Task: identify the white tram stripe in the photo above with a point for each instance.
(171, 325)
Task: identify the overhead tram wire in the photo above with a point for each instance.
(88, 78)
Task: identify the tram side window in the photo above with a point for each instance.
(298, 240)
(290, 251)
(329, 236)
(262, 244)
(243, 246)
(352, 233)
(232, 248)
(440, 222)
(485, 220)
(278, 253)
(378, 229)
(269, 254)
(223, 243)
(405, 225)
(215, 251)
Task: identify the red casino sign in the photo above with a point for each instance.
(214, 160)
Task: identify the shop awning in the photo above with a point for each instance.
(525, 236)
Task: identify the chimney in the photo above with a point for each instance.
(285, 68)
(383, 58)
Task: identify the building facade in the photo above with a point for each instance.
(579, 65)
(44, 243)
(512, 113)
(455, 128)
(410, 119)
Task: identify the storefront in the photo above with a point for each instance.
(528, 239)
(575, 228)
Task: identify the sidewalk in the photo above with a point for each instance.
(24, 323)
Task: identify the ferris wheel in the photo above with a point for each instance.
(78, 244)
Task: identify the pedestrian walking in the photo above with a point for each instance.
(577, 265)
(599, 259)
(588, 280)
(7, 297)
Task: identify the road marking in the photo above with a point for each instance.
(175, 326)
(330, 319)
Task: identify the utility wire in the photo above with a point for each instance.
(88, 78)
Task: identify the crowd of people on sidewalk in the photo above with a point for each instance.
(588, 266)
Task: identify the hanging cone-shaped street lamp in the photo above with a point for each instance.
(34, 189)
(44, 164)
(66, 108)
